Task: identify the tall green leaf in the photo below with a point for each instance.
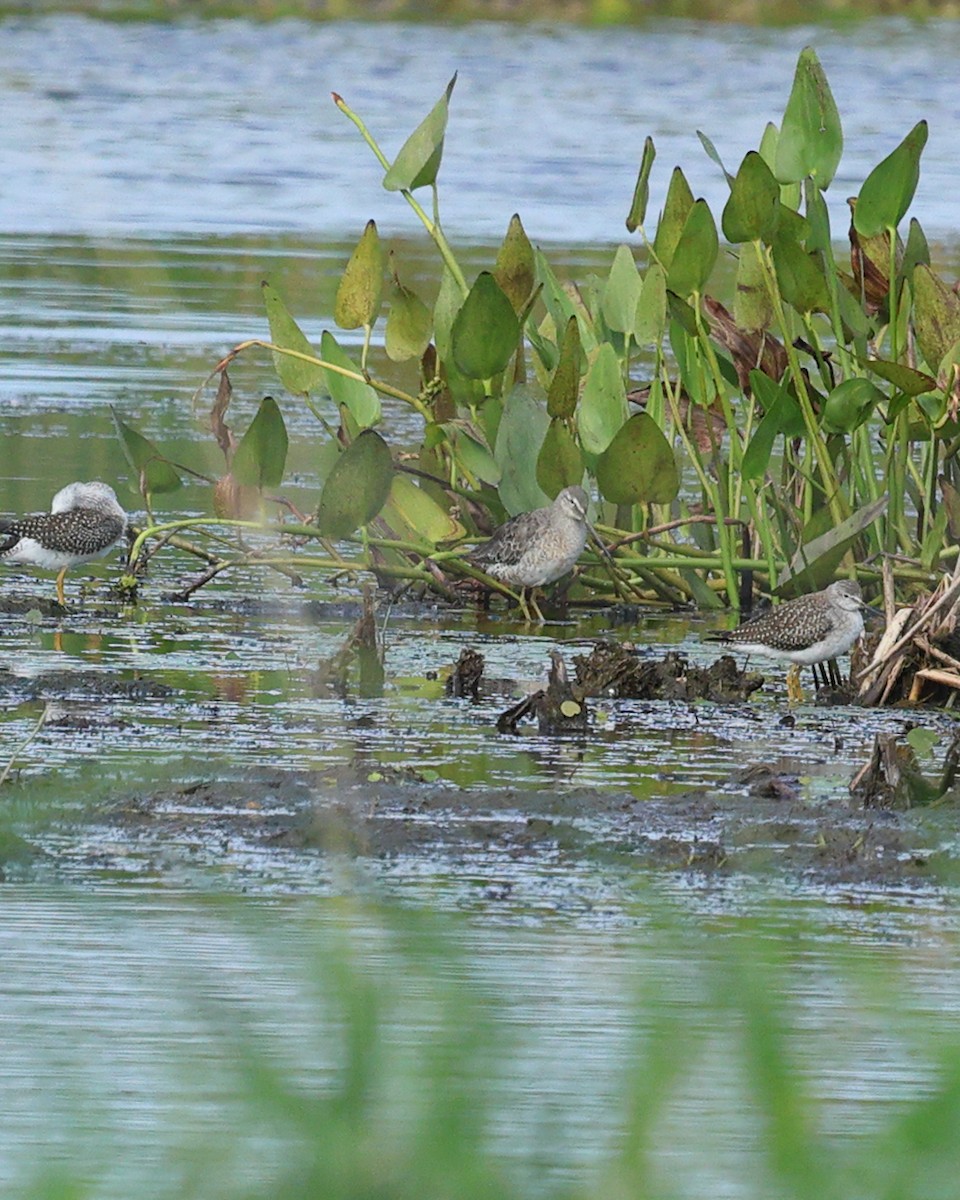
(358, 397)
(357, 487)
(936, 315)
(603, 406)
(695, 253)
(564, 389)
(676, 209)
(800, 277)
(361, 285)
(418, 162)
(260, 458)
(888, 190)
(621, 291)
(811, 139)
(520, 435)
(485, 331)
(155, 474)
(296, 375)
(651, 316)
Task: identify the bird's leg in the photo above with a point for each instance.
(794, 690)
(60, 595)
(535, 606)
(820, 676)
(836, 678)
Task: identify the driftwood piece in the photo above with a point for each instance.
(466, 675)
(559, 707)
(615, 669)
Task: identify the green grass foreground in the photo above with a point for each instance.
(585, 12)
(406, 1056)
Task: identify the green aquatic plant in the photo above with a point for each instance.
(806, 426)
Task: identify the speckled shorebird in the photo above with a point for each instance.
(84, 521)
(805, 632)
(535, 548)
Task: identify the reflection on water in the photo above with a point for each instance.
(226, 127)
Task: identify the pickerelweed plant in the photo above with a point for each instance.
(808, 425)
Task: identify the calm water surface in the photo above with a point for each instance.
(153, 175)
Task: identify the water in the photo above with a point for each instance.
(153, 175)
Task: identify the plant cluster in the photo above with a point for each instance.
(807, 425)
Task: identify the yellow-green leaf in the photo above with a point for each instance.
(811, 139)
(361, 285)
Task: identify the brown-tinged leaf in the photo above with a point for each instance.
(870, 261)
(750, 349)
(234, 501)
(221, 431)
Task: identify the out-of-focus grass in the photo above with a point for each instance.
(590, 12)
(378, 1124)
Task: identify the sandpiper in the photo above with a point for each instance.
(84, 521)
(535, 548)
(805, 632)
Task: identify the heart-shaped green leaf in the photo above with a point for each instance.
(514, 269)
(520, 435)
(357, 487)
(409, 324)
(696, 252)
(676, 209)
(651, 317)
(621, 291)
(639, 466)
(564, 389)
(753, 210)
(560, 462)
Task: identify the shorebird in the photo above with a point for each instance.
(535, 548)
(809, 631)
(84, 521)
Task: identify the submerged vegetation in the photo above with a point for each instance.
(805, 425)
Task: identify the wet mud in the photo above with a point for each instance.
(756, 824)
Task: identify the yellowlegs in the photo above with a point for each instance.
(535, 548)
(805, 632)
(84, 521)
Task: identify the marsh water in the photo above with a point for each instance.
(161, 865)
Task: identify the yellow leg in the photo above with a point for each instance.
(794, 690)
(60, 595)
(535, 606)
